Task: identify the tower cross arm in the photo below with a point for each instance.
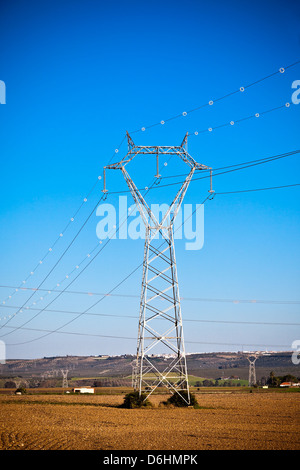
(190, 161)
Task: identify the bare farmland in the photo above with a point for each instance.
(224, 421)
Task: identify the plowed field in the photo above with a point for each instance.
(225, 421)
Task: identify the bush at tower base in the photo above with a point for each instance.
(182, 400)
(135, 400)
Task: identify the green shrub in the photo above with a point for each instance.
(135, 400)
(182, 400)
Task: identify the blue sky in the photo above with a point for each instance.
(78, 75)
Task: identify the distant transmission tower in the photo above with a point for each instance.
(65, 378)
(252, 374)
(160, 323)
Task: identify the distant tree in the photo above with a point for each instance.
(289, 378)
(263, 381)
(207, 383)
(98, 383)
(273, 381)
(10, 384)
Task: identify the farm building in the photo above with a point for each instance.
(289, 384)
(83, 390)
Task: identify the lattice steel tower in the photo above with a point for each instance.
(65, 378)
(160, 328)
(252, 374)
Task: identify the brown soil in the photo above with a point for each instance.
(245, 421)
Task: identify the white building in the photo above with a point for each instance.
(83, 390)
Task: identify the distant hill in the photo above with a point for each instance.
(101, 368)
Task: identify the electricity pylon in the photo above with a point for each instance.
(252, 374)
(65, 378)
(160, 321)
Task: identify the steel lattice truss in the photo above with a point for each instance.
(160, 328)
(65, 378)
(252, 374)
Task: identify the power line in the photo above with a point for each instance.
(211, 102)
(257, 161)
(116, 151)
(198, 299)
(132, 338)
(121, 282)
(241, 89)
(249, 165)
(112, 315)
(63, 254)
(96, 303)
(99, 202)
(42, 259)
(62, 233)
(130, 274)
(265, 160)
(76, 276)
(232, 123)
(60, 293)
(259, 189)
